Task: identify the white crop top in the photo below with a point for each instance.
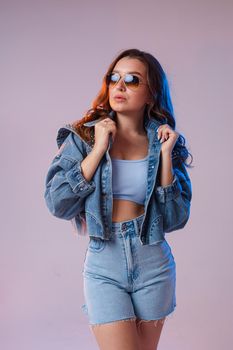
(129, 179)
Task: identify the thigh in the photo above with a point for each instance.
(154, 295)
(105, 283)
(106, 301)
(149, 333)
(117, 335)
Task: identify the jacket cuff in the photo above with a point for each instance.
(169, 192)
(78, 182)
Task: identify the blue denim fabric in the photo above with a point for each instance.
(88, 204)
(124, 279)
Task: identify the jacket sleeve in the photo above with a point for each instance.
(175, 199)
(65, 186)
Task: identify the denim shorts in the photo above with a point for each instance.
(124, 279)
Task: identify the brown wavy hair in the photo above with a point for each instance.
(161, 107)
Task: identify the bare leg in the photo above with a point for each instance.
(117, 335)
(149, 333)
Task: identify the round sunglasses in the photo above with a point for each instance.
(131, 81)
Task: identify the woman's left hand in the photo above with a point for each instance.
(167, 137)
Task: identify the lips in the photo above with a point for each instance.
(119, 97)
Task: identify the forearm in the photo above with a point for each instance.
(90, 163)
(174, 194)
(166, 169)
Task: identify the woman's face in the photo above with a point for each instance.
(135, 99)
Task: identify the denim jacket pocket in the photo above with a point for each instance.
(157, 225)
(94, 226)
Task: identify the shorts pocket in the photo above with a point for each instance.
(96, 244)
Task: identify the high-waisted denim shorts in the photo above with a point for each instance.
(124, 279)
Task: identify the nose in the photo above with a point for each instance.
(120, 84)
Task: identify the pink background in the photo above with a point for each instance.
(53, 57)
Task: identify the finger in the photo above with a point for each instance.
(162, 138)
(165, 136)
(163, 130)
(161, 135)
(109, 120)
(160, 131)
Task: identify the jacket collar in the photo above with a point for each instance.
(64, 131)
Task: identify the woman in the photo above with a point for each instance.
(120, 176)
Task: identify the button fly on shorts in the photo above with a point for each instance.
(129, 234)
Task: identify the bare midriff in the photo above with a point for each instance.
(125, 147)
(124, 210)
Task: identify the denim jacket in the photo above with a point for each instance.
(88, 204)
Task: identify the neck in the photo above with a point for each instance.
(130, 123)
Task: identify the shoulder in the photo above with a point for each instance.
(67, 130)
(67, 138)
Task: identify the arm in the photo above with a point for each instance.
(66, 185)
(174, 194)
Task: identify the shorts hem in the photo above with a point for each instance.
(169, 313)
(127, 318)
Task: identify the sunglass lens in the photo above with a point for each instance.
(132, 81)
(112, 79)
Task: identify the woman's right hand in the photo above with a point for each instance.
(103, 129)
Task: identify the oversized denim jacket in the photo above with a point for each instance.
(88, 204)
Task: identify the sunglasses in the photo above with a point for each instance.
(131, 81)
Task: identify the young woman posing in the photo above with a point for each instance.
(120, 176)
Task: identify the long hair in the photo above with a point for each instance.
(160, 108)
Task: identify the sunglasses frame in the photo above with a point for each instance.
(125, 83)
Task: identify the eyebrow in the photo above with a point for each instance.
(117, 71)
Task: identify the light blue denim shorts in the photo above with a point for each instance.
(124, 279)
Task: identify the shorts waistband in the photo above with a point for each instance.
(124, 225)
